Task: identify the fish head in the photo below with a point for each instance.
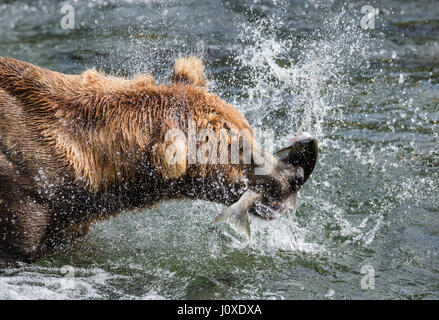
(295, 164)
(271, 194)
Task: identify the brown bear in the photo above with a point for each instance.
(75, 149)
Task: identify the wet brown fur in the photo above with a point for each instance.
(78, 148)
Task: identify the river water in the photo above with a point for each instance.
(367, 225)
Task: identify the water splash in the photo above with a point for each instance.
(308, 79)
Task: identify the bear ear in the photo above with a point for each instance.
(189, 71)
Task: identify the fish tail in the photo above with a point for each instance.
(235, 218)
